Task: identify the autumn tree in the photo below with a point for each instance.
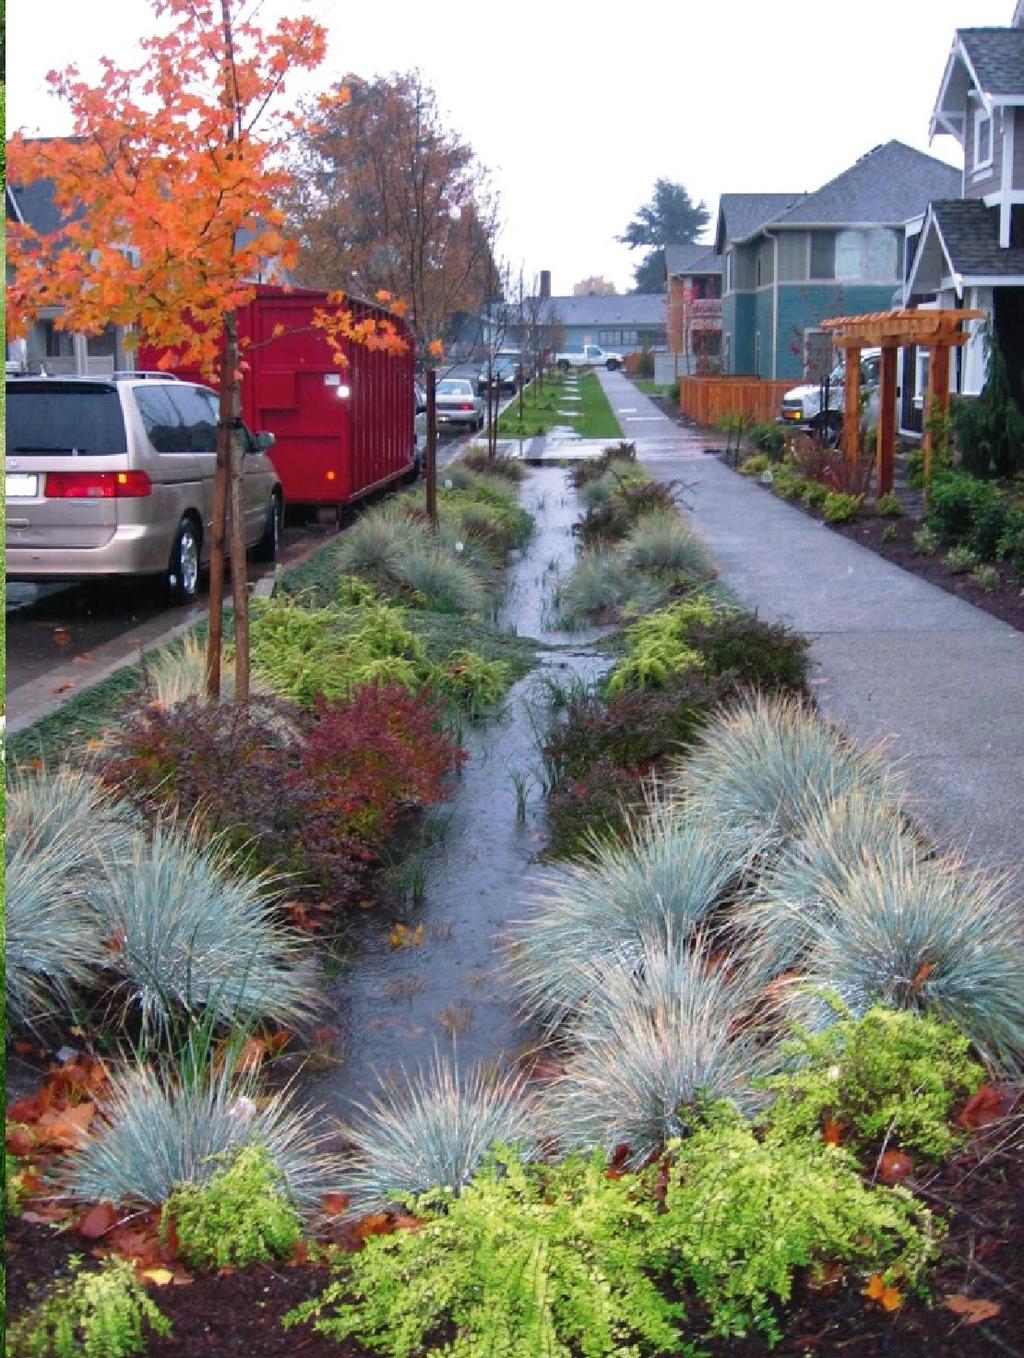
(387, 198)
(670, 218)
(594, 286)
(170, 194)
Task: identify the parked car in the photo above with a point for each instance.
(113, 476)
(456, 403)
(803, 407)
(505, 372)
(588, 356)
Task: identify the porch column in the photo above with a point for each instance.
(936, 403)
(851, 410)
(886, 450)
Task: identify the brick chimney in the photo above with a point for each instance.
(545, 284)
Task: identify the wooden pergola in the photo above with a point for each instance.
(937, 331)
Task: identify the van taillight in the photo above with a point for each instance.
(97, 485)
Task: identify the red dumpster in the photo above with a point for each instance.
(340, 432)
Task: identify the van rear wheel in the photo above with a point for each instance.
(270, 543)
(183, 569)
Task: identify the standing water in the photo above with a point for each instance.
(432, 977)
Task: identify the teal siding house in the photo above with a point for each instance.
(793, 259)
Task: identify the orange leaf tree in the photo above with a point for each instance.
(170, 193)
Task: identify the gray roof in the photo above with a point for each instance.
(36, 206)
(997, 55)
(890, 184)
(631, 308)
(740, 214)
(970, 231)
(692, 258)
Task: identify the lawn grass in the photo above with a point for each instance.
(542, 406)
(80, 720)
(649, 387)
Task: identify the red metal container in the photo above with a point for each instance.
(340, 432)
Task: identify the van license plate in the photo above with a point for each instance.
(20, 486)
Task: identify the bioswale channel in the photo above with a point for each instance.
(431, 977)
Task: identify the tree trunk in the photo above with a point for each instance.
(239, 575)
(431, 467)
(222, 479)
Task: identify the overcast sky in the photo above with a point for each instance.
(578, 106)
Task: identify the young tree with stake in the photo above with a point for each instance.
(170, 192)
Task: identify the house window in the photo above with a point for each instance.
(823, 254)
(982, 139)
(849, 254)
(921, 377)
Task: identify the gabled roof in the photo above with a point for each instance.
(694, 258)
(997, 58)
(740, 214)
(989, 60)
(887, 185)
(960, 240)
(631, 308)
(34, 205)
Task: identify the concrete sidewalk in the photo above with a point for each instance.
(893, 656)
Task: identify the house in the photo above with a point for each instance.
(46, 348)
(626, 323)
(968, 250)
(794, 259)
(694, 309)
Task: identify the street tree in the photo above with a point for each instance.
(170, 194)
(389, 198)
(670, 218)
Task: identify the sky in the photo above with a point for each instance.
(577, 108)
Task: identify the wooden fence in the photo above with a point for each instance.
(710, 399)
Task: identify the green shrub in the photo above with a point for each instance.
(630, 501)
(100, 1313)
(657, 647)
(602, 585)
(1010, 547)
(890, 1078)
(926, 542)
(529, 1259)
(890, 533)
(240, 1216)
(841, 508)
(472, 682)
(961, 559)
(986, 577)
(958, 501)
(768, 438)
(751, 652)
(742, 1217)
(890, 506)
(814, 493)
(787, 483)
(755, 465)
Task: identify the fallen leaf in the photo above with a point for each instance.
(66, 687)
(377, 1223)
(894, 1167)
(875, 1288)
(335, 1203)
(402, 1221)
(61, 637)
(97, 1221)
(921, 975)
(832, 1132)
(973, 1309)
(160, 1276)
(891, 1298)
(985, 1106)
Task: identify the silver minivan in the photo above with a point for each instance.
(113, 476)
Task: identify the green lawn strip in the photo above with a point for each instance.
(649, 387)
(542, 405)
(444, 633)
(599, 420)
(81, 719)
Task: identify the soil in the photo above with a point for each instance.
(981, 1193)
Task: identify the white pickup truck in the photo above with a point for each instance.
(587, 356)
(802, 406)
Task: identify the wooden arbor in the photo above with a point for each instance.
(937, 331)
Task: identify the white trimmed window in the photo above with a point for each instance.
(982, 139)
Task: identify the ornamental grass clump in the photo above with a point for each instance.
(763, 766)
(804, 883)
(164, 1124)
(55, 940)
(177, 673)
(661, 541)
(602, 587)
(929, 936)
(664, 1026)
(665, 875)
(188, 931)
(377, 541)
(442, 579)
(67, 804)
(432, 1130)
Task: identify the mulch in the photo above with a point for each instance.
(981, 1193)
